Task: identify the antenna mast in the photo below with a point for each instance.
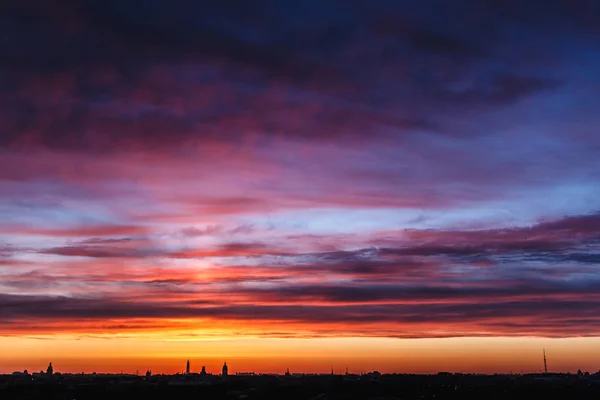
(545, 365)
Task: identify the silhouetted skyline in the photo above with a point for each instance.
(301, 387)
(379, 185)
(224, 371)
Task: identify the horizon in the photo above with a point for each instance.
(381, 185)
(486, 356)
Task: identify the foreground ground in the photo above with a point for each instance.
(313, 387)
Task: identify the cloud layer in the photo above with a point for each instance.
(384, 170)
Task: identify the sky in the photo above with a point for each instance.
(393, 185)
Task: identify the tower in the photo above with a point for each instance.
(49, 370)
(545, 365)
(225, 369)
(203, 372)
(187, 367)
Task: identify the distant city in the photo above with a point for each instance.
(247, 385)
(52, 384)
(224, 372)
(203, 374)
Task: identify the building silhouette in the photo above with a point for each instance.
(49, 370)
(187, 367)
(203, 372)
(225, 370)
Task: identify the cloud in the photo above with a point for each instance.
(123, 247)
(209, 230)
(175, 81)
(80, 231)
(94, 252)
(232, 249)
(501, 318)
(559, 237)
(6, 250)
(374, 172)
(369, 291)
(577, 225)
(487, 292)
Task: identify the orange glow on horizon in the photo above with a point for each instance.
(479, 355)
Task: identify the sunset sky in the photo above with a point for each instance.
(393, 185)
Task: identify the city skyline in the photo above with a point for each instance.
(381, 185)
(224, 371)
(486, 357)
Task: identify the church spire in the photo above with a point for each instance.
(225, 370)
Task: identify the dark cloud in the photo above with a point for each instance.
(432, 42)
(500, 89)
(87, 54)
(6, 250)
(494, 292)
(93, 252)
(482, 248)
(124, 247)
(77, 231)
(104, 241)
(589, 258)
(576, 225)
(552, 313)
(562, 237)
